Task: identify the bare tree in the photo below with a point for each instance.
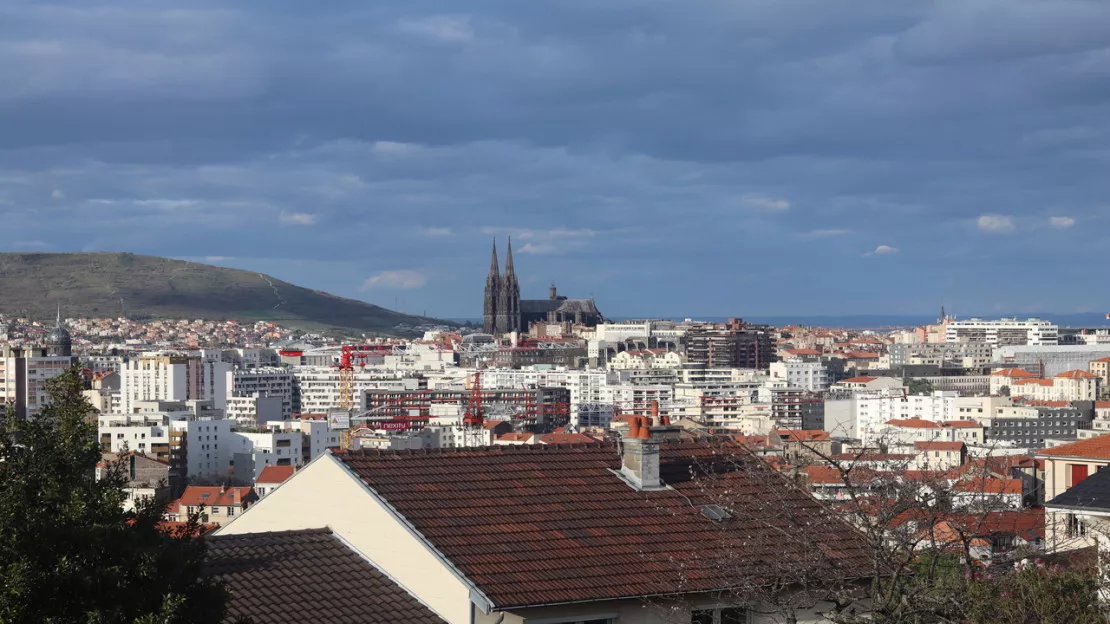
(935, 553)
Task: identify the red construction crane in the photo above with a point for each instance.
(473, 415)
(347, 357)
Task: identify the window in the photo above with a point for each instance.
(722, 615)
(1075, 528)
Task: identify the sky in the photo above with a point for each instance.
(667, 157)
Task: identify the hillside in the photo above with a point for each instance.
(139, 287)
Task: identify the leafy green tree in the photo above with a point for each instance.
(68, 551)
(919, 386)
(1036, 594)
(1004, 391)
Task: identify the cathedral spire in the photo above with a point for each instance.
(494, 266)
(509, 259)
(58, 322)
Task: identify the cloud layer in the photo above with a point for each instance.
(667, 158)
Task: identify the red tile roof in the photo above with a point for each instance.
(960, 424)
(553, 524)
(1093, 448)
(196, 495)
(989, 485)
(830, 475)
(1077, 374)
(1039, 403)
(803, 351)
(938, 446)
(515, 437)
(1105, 359)
(871, 457)
(913, 423)
(564, 438)
(750, 440)
(306, 576)
(858, 380)
(861, 355)
(803, 435)
(490, 424)
(1012, 372)
(1029, 382)
(275, 474)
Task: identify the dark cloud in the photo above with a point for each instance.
(698, 157)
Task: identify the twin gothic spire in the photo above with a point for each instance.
(502, 302)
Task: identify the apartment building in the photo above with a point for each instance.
(808, 375)
(1076, 385)
(172, 377)
(24, 372)
(1101, 369)
(734, 344)
(1003, 332)
(316, 388)
(263, 382)
(1033, 426)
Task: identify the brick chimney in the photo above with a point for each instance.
(640, 457)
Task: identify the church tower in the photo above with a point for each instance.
(510, 294)
(58, 342)
(493, 293)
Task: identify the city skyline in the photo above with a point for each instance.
(668, 159)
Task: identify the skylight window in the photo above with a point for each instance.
(715, 513)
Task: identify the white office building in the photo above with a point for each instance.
(1003, 332)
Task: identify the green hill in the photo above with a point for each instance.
(141, 287)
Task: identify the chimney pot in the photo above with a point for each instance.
(634, 428)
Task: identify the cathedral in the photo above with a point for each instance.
(504, 311)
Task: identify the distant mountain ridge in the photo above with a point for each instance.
(141, 287)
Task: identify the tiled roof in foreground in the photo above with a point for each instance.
(553, 524)
(307, 576)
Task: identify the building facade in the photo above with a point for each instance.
(1003, 332)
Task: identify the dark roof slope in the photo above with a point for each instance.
(570, 306)
(307, 576)
(553, 524)
(1090, 493)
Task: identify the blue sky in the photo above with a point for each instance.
(669, 157)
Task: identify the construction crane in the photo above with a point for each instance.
(347, 357)
(472, 418)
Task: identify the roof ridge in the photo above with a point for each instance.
(286, 532)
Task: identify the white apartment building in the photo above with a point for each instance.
(254, 410)
(647, 359)
(263, 382)
(102, 363)
(23, 376)
(1003, 332)
(420, 356)
(172, 377)
(252, 451)
(1076, 385)
(862, 414)
(590, 405)
(318, 387)
(810, 376)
